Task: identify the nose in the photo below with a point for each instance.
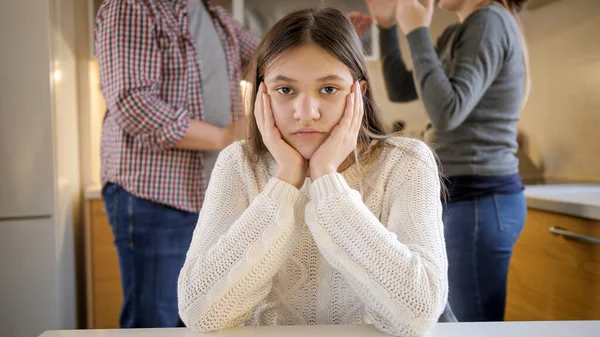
(306, 108)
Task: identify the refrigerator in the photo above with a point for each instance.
(38, 171)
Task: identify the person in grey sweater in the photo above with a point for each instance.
(473, 84)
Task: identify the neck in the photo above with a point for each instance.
(468, 9)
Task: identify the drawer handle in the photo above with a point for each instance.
(555, 230)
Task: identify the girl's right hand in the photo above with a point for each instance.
(291, 166)
(383, 12)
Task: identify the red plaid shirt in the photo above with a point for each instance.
(150, 79)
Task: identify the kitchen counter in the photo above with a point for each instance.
(93, 192)
(490, 329)
(581, 200)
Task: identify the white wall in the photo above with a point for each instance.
(562, 118)
(64, 47)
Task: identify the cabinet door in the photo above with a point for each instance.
(552, 277)
(104, 280)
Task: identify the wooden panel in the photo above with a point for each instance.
(106, 292)
(550, 277)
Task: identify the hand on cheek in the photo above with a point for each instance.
(291, 165)
(342, 140)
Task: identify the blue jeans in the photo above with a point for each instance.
(152, 241)
(480, 234)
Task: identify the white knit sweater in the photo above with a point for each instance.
(266, 253)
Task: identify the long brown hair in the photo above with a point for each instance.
(330, 30)
(515, 7)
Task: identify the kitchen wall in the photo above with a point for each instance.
(92, 103)
(69, 19)
(562, 119)
(66, 134)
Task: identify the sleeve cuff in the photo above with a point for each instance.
(282, 192)
(329, 184)
(168, 135)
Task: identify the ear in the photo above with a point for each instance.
(363, 86)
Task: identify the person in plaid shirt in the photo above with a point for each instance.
(169, 73)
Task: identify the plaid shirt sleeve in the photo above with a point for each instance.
(130, 70)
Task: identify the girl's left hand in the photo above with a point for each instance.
(343, 138)
(411, 14)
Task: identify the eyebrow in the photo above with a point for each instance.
(331, 78)
(281, 78)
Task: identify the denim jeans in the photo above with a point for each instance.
(152, 241)
(480, 235)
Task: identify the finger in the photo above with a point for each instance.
(361, 105)
(259, 110)
(401, 4)
(268, 113)
(346, 120)
(429, 4)
(356, 116)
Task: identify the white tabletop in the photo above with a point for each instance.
(496, 329)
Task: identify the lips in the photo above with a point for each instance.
(307, 133)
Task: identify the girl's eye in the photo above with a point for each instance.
(328, 90)
(285, 90)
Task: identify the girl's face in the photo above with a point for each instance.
(308, 89)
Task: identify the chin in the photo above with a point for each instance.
(306, 153)
(306, 150)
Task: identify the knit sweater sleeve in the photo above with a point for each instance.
(398, 269)
(238, 245)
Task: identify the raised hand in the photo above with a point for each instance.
(383, 12)
(412, 14)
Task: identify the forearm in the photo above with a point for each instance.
(202, 136)
(402, 285)
(222, 280)
(399, 83)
